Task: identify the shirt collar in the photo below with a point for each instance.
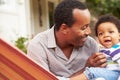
(51, 38)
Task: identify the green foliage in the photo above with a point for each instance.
(20, 43)
(100, 7)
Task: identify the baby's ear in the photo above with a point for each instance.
(119, 35)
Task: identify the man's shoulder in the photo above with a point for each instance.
(91, 40)
(91, 43)
(44, 38)
(39, 37)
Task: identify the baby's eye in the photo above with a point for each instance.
(111, 31)
(100, 34)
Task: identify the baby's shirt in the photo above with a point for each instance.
(113, 56)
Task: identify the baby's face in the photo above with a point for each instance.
(108, 34)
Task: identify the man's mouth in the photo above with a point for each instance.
(84, 39)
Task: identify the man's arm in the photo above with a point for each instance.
(80, 76)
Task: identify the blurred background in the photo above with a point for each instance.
(21, 20)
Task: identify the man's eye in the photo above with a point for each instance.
(84, 27)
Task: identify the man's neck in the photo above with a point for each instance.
(63, 44)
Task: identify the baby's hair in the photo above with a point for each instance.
(107, 18)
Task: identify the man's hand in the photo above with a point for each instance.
(97, 60)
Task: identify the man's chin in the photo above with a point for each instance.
(78, 46)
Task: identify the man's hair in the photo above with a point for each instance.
(64, 10)
(107, 18)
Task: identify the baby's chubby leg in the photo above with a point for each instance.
(93, 73)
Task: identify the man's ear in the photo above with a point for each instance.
(64, 28)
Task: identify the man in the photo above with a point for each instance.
(66, 49)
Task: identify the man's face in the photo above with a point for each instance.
(80, 29)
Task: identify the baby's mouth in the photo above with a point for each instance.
(107, 42)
